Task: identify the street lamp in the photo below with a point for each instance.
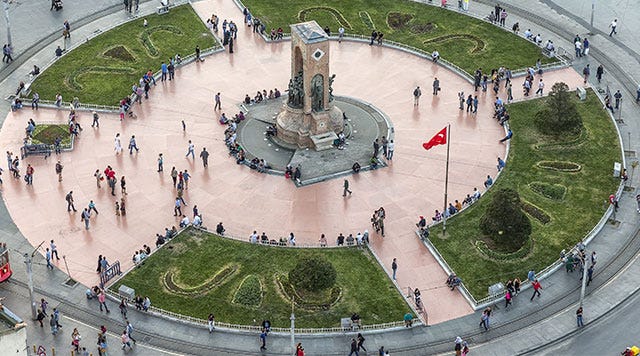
(6, 17)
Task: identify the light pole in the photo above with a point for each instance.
(293, 327)
(6, 17)
(593, 10)
(27, 260)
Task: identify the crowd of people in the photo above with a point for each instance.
(262, 96)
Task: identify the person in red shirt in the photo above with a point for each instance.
(536, 288)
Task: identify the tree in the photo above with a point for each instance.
(560, 115)
(504, 221)
(313, 274)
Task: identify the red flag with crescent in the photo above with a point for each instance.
(439, 139)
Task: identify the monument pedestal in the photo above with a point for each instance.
(299, 128)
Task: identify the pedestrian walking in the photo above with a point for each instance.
(54, 250)
(540, 87)
(40, 317)
(599, 73)
(360, 340)
(211, 321)
(98, 177)
(263, 340)
(43, 306)
(96, 119)
(174, 176)
(129, 329)
(47, 257)
(133, 145)
(507, 298)
(589, 275)
(205, 157)
(436, 86)
(354, 347)
(390, 148)
(484, 320)
(117, 145)
(218, 102)
(416, 96)
(59, 171)
(85, 218)
(394, 268)
(102, 300)
(56, 317)
(579, 317)
(458, 346)
(117, 208)
(618, 97)
(123, 209)
(177, 211)
(69, 199)
(123, 307)
(92, 207)
(536, 289)
(123, 185)
(613, 26)
(29, 174)
(53, 325)
(346, 188)
(126, 341)
(586, 71)
(160, 162)
(186, 176)
(191, 150)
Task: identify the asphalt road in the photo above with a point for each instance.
(607, 336)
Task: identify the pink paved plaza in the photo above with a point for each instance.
(245, 200)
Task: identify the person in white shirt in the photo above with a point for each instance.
(435, 55)
(340, 34)
(185, 221)
(197, 221)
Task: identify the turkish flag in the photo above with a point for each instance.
(439, 139)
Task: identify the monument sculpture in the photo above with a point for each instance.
(309, 118)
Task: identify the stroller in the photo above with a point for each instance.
(56, 4)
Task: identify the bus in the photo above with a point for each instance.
(5, 268)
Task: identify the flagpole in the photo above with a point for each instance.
(446, 182)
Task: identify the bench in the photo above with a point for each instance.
(42, 148)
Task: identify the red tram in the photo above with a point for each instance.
(5, 267)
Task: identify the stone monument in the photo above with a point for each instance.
(309, 118)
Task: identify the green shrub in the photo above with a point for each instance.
(560, 115)
(250, 292)
(504, 221)
(551, 191)
(313, 274)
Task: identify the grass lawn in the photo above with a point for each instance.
(47, 133)
(465, 41)
(571, 216)
(103, 70)
(198, 257)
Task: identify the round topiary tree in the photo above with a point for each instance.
(560, 115)
(504, 221)
(313, 274)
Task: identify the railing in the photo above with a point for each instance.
(111, 272)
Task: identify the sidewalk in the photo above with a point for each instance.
(515, 330)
